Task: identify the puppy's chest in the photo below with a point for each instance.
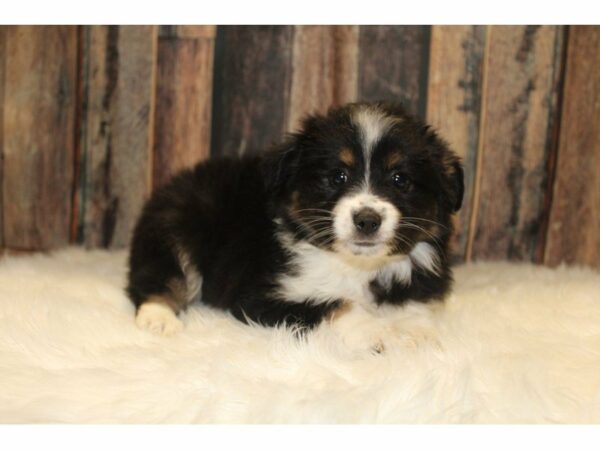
(322, 276)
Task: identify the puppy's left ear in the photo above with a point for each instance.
(279, 166)
(457, 184)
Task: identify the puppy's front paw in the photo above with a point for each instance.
(358, 329)
(363, 338)
(158, 319)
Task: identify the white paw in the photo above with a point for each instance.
(359, 330)
(386, 329)
(369, 342)
(158, 319)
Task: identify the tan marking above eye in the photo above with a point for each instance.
(294, 204)
(347, 157)
(393, 159)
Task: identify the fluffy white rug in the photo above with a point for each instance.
(515, 343)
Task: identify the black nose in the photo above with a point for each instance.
(367, 221)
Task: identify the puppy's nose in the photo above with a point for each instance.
(367, 221)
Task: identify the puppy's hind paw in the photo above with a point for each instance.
(158, 319)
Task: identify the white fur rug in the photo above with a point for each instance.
(515, 343)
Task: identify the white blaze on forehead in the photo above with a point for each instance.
(372, 124)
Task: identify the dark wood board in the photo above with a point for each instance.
(252, 80)
(187, 31)
(38, 137)
(324, 69)
(519, 111)
(393, 64)
(454, 104)
(2, 70)
(574, 228)
(116, 133)
(183, 100)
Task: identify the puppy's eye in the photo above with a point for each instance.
(402, 182)
(338, 178)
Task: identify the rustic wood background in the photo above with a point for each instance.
(92, 118)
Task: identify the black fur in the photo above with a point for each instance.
(222, 212)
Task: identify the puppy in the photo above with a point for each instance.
(351, 212)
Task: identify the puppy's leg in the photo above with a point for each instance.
(161, 285)
(359, 328)
(272, 312)
(387, 327)
(157, 315)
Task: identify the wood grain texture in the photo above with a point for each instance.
(393, 64)
(520, 110)
(2, 72)
(38, 137)
(574, 228)
(454, 103)
(251, 87)
(116, 131)
(187, 31)
(324, 69)
(183, 103)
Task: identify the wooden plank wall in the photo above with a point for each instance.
(93, 118)
(115, 131)
(38, 138)
(573, 233)
(454, 104)
(183, 98)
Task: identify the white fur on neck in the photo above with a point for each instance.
(324, 276)
(422, 255)
(425, 256)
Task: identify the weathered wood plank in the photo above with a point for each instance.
(2, 71)
(116, 131)
(393, 64)
(519, 113)
(324, 69)
(251, 87)
(574, 228)
(187, 31)
(38, 137)
(183, 103)
(454, 103)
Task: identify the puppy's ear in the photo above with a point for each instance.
(457, 184)
(279, 166)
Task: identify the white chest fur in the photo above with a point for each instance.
(324, 276)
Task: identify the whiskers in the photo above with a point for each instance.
(317, 224)
(409, 223)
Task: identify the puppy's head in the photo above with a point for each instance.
(367, 180)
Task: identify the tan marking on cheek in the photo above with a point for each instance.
(393, 159)
(435, 230)
(180, 294)
(294, 205)
(340, 311)
(347, 157)
(448, 161)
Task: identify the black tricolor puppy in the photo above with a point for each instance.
(352, 211)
